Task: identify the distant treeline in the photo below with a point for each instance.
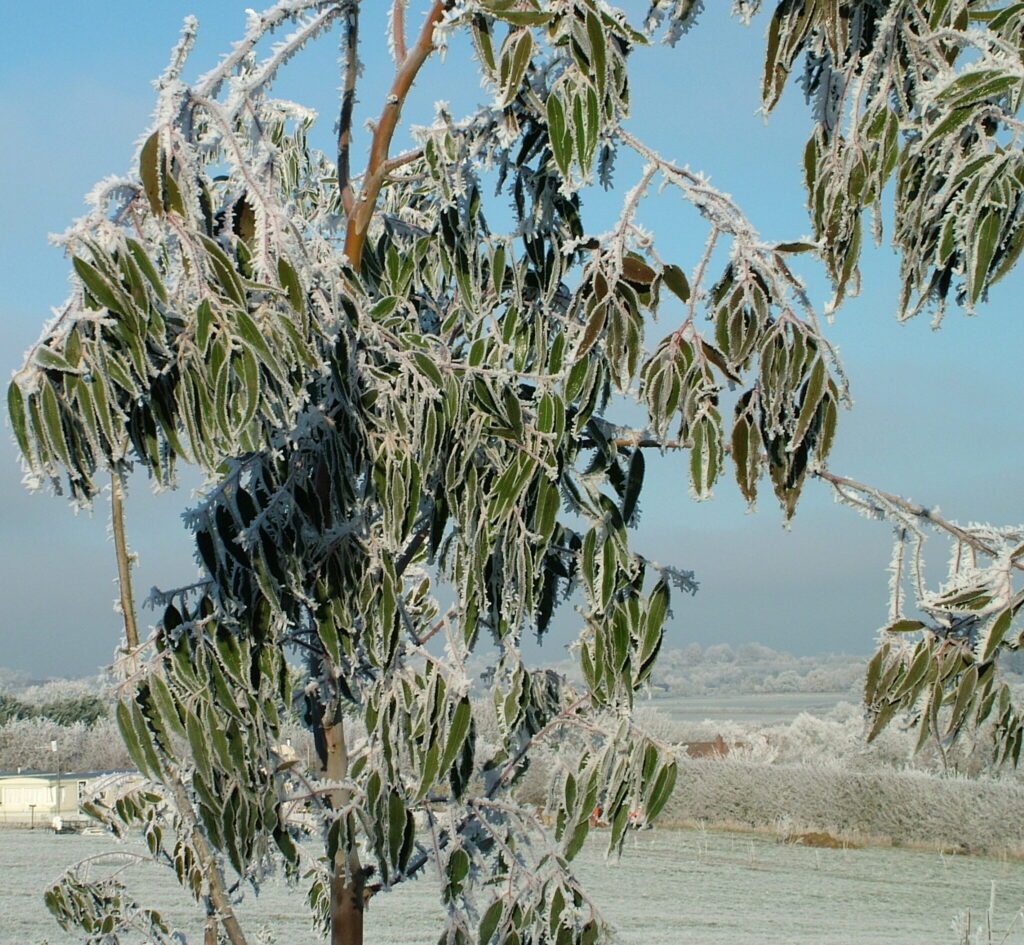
(79, 713)
(86, 709)
(748, 668)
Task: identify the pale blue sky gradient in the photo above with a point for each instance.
(937, 414)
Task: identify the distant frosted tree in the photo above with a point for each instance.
(26, 743)
(86, 709)
(12, 708)
(757, 653)
(384, 390)
(13, 679)
(720, 653)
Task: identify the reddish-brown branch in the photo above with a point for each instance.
(348, 878)
(400, 160)
(376, 167)
(436, 629)
(398, 29)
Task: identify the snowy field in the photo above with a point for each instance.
(672, 887)
(763, 708)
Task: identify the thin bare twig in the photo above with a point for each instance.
(209, 85)
(412, 549)
(211, 869)
(696, 292)
(565, 717)
(641, 441)
(646, 441)
(124, 565)
(392, 164)
(436, 629)
(348, 101)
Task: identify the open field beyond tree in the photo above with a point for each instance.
(672, 887)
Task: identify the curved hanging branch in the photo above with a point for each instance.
(846, 486)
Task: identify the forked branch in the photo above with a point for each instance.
(384, 131)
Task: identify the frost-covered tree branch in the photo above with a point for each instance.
(387, 393)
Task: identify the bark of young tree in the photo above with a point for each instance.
(348, 882)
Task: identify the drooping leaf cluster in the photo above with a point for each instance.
(923, 97)
(938, 659)
(922, 100)
(104, 910)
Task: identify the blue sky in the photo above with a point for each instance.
(937, 414)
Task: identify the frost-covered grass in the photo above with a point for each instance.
(672, 887)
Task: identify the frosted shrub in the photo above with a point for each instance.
(12, 679)
(901, 806)
(786, 681)
(25, 743)
(756, 669)
(720, 653)
(757, 653)
(660, 725)
(818, 740)
(61, 690)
